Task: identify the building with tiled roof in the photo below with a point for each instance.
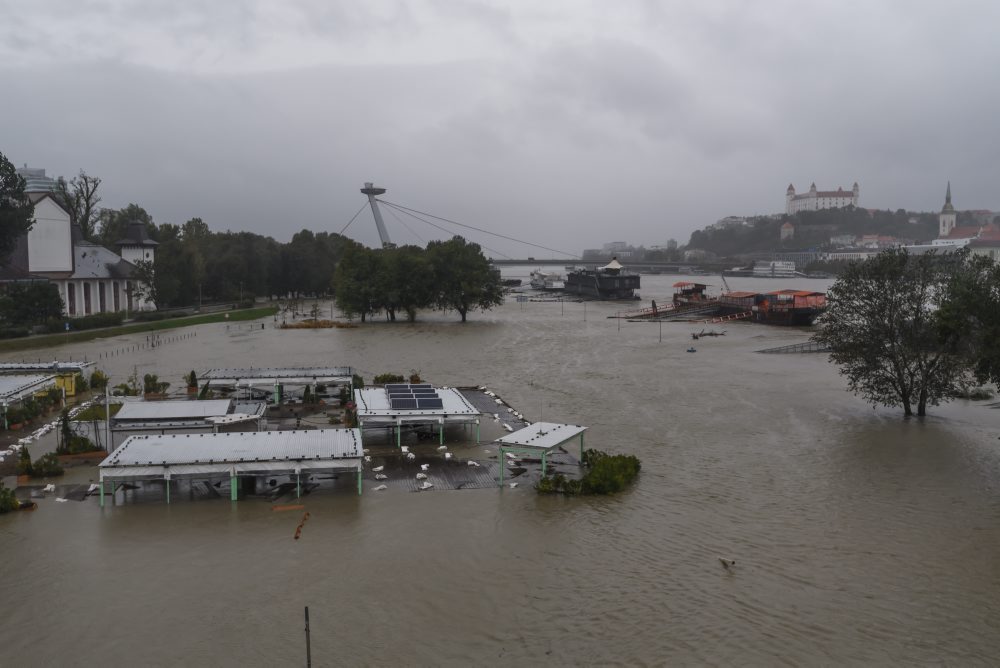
(814, 200)
(89, 277)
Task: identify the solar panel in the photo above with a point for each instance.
(422, 385)
(424, 390)
(396, 386)
(403, 404)
(434, 402)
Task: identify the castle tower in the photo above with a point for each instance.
(856, 190)
(789, 196)
(946, 219)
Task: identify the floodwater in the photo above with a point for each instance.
(859, 537)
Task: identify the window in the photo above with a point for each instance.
(71, 298)
(86, 298)
(116, 298)
(101, 302)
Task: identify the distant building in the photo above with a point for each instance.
(850, 254)
(787, 231)
(947, 217)
(728, 222)
(615, 246)
(814, 200)
(90, 278)
(841, 240)
(774, 269)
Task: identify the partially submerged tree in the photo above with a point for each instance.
(885, 327)
(17, 213)
(463, 277)
(972, 312)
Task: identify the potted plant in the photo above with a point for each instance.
(15, 418)
(192, 382)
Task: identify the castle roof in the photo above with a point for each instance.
(136, 235)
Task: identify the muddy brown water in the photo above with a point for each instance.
(860, 537)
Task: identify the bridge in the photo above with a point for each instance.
(666, 267)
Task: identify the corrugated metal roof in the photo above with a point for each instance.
(542, 435)
(236, 448)
(173, 410)
(117, 473)
(374, 402)
(48, 367)
(304, 374)
(739, 294)
(12, 387)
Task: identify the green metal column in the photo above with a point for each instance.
(399, 434)
(233, 491)
(502, 456)
(275, 396)
(298, 486)
(477, 432)
(581, 447)
(441, 431)
(167, 480)
(102, 492)
(359, 481)
(543, 463)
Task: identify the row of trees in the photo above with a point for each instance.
(915, 330)
(451, 275)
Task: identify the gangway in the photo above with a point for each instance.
(807, 347)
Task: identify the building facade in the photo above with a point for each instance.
(814, 199)
(89, 277)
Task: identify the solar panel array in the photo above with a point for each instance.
(403, 396)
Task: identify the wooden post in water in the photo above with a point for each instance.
(308, 648)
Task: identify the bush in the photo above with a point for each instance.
(384, 378)
(14, 332)
(192, 380)
(46, 466)
(151, 384)
(606, 474)
(14, 415)
(154, 316)
(8, 501)
(415, 376)
(98, 380)
(57, 325)
(24, 463)
(358, 382)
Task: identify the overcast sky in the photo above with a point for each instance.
(565, 123)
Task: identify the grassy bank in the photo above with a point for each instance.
(48, 340)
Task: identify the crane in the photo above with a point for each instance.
(724, 284)
(371, 190)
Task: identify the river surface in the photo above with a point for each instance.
(860, 537)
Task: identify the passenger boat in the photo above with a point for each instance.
(611, 281)
(796, 308)
(541, 280)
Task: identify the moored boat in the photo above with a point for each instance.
(612, 282)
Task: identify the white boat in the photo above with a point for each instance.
(541, 280)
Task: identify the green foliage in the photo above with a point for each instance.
(151, 384)
(892, 324)
(24, 466)
(8, 501)
(606, 474)
(972, 312)
(384, 378)
(463, 278)
(191, 380)
(71, 443)
(357, 382)
(46, 466)
(14, 332)
(307, 396)
(14, 415)
(29, 304)
(95, 412)
(415, 376)
(98, 380)
(95, 321)
(16, 210)
(130, 388)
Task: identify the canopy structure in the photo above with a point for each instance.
(183, 416)
(15, 389)
(54, 366)
(375, 409)
(233, 455)
(538, 438)
(276, 377)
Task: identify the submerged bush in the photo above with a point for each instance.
(384, 378)
(8, 501)
(606, 474)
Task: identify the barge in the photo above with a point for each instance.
(611, 282)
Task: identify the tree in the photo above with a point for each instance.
(885, 327)
(25, 304)
(972, 312)
(17, 213)
(79, 197)
(463, 277)
(354, 282)
(144, 282)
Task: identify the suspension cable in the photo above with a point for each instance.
(446, 231)
(478, 229)
(353, 217)
(401, 222)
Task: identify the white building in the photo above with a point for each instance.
(90, 278)
(814, 200)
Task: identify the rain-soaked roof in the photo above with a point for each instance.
(542, 435)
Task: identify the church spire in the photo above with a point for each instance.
(947, 208)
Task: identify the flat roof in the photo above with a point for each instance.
(309, 374)
(48, 367)
(374, 403)
(14, 387)
(159, 455)
(542, 435)
(173, 409)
